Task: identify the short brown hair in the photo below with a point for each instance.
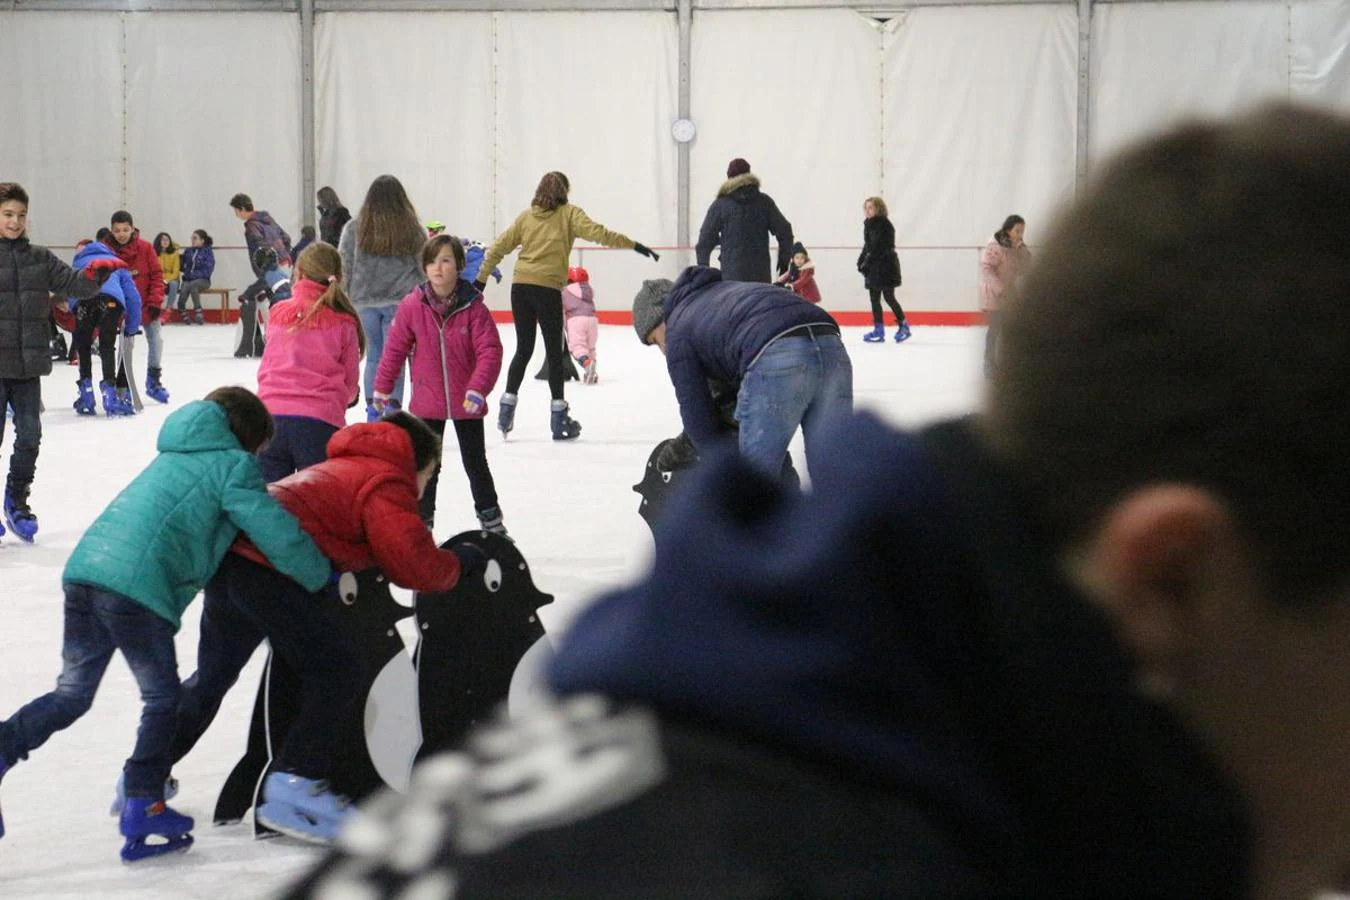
(879, 205)
(1188, 323)
(432, 249)
(12, 190)
(552, 191)
(248, 417)
(242, 202)
(426, 445)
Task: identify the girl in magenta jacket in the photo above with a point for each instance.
(310, 368)
(456, 358)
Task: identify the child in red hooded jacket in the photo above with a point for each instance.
(456, 358)
(360, 507)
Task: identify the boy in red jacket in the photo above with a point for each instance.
(143, 263)
(360, 507)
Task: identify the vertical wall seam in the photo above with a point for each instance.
(496, 124)
(308, 133)
(125, 133)
(881, 117)
(1084, 95)
(1289, 50)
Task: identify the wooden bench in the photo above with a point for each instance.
(224, 296)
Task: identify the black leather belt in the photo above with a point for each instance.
(814, 329)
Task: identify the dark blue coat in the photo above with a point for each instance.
(740, 221)
(714, 330)
(199, 263)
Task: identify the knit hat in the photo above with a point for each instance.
(648, 306)
(737, 167)
(798, 248)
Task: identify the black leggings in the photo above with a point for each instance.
(473, 454)
(875, 295)
(102, 315)
(531, 303)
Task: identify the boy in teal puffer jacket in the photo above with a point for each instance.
(134, 572)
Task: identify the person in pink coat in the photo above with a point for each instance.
(310, 368)
(583, 328)
(445, 327)
(1002, 263)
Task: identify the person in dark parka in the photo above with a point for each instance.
(880, 269)
(740, 221)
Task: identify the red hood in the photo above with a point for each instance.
(379, 440)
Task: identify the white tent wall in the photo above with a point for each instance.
(980, 118)
(957, 115)
(213, 109)
(799, 97)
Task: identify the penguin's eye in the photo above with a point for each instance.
(492, 576)
(347, 588)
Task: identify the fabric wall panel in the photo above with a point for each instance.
(1320, 58)
(409, 95)
(980, 122)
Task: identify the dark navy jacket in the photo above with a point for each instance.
(199, 263)
(714, 330)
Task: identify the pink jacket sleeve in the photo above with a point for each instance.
(351, 359)
(487, 350)
(397, 346)
(991, 284)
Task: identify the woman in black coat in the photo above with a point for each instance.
(332, 216)
(880, 268)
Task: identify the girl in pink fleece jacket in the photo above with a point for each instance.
(310, 367)
(456, 358)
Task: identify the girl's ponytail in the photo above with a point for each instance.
(321, 262)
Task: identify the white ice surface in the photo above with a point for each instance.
(570, 507)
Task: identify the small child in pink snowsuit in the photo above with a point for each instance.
(456, 358)
(583, 328)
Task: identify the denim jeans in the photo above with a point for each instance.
(192, 290)
(171, 294)
(25, 395)
(155, 342)
(376, 320)
(97, 623)
(806, 381)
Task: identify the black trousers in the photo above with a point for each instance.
(531, 304)
(244, 603)
(473, 454)
(25, 396)
(298, 443)
(876, 295)
(101, 315)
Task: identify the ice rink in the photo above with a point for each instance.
(569, 506)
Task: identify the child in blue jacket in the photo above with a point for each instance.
(117, 301)
(199, 264)
(134, 572)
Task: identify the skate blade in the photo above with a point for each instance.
(292, 823)
(137, 849)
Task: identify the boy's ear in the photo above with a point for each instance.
(1152, 566)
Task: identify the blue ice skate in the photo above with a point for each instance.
(154, 388)
(876, 335)
(565, 428)
(506, 414)
(112, 401)
(85, 404)
(19, 516)
(144, 818)
(120, 801)
(302, 808)
(902, 333)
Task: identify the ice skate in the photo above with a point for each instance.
(506, 414)
(490, 519)
(902, 333)
(565, 428)
(19, 516)
(144, 818)
(120, 801)
(588, 369)
(112, 404)
(876, 335)
(199, 317)
(85, 403)
(154, 387)
(125, 402)
(302, 808)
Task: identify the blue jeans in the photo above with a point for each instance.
(299, 442)
(97, 623)
(376, 320)
(171, 294)
(25, 396)
(806, 381)
(155, 342)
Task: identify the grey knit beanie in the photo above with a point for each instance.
(648, 311)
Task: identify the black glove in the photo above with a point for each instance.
(481, 286)
(647, 251)
(472, 561)
(153, 312)
(783, 267)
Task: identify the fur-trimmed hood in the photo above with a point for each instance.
(742, 187)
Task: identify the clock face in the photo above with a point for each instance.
(683, 130)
